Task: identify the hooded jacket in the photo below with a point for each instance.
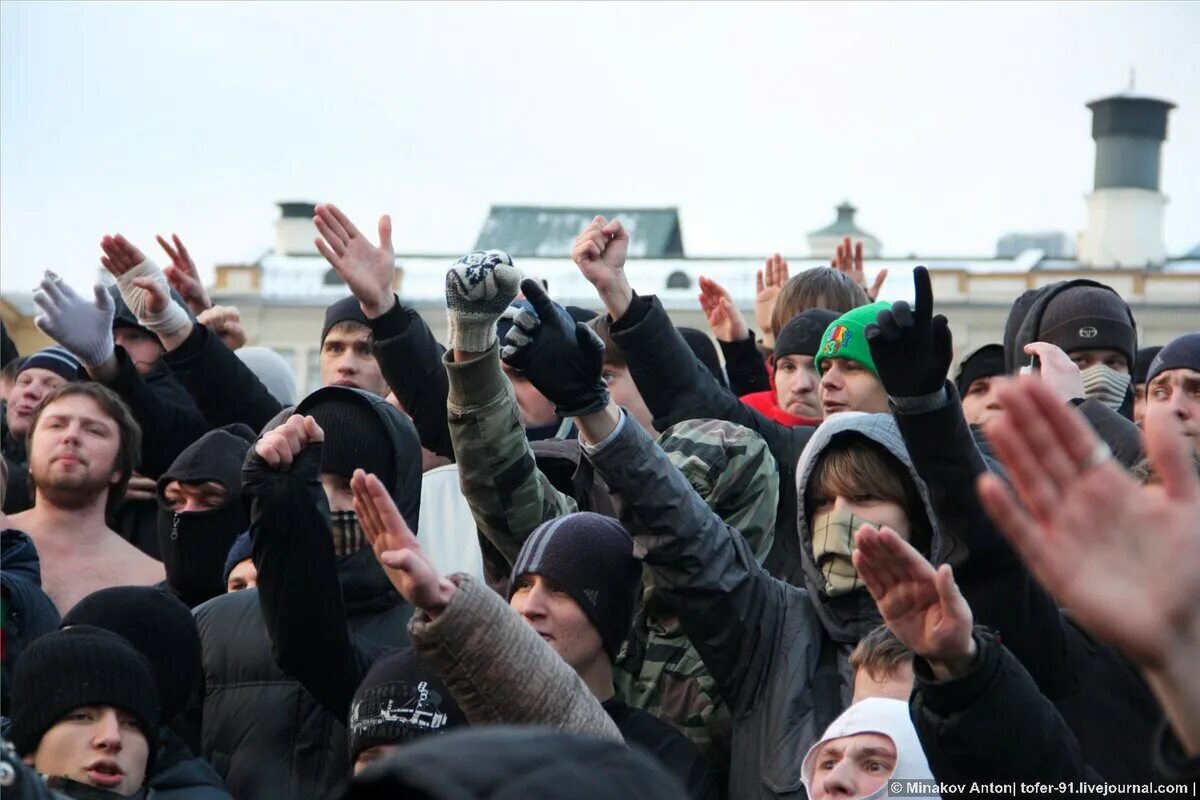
(779, 653)
(194, 544)
(28, 612)
(282, 661)
(887, 717)
(1024, 326)
(502, 763)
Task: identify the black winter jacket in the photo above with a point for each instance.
(29, 612)
(178, 775)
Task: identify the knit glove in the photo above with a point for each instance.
(170, 320)
(562, 358)
(84, 329)
(479, 287)
(911, 348)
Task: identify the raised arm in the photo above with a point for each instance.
(744, 362)
(498, 669)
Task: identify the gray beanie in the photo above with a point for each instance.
(1089, 318)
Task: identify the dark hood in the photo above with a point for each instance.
(506, 763)
(1024, 325)
(215, 456)
(406, 445)
(850, 617)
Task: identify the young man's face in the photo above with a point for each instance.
(1175, 394)
(346, 359)
(143, 347)
(853, 766)
(876, 509)
(847, 385)
(97, 745)
(242, 576)
(1139, 404)
(981, 403)
(184, 497)
(28, 390)
(1090, 358)
(796, 386)
(536, 410)
(73, 451)
(338, 491)
(625, 393)
(559, 620)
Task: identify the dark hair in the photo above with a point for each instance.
(114, 407)
(853, 465)
(819, 287)
(10, 370)
(603, 329)
(881, 654)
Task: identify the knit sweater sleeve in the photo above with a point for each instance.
(500, 671)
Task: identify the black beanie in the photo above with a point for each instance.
(355, 437)
(75, 668)
(57, 360)
(1089, 318)
(590, 557)
(1142, 366)
(1181, 353)
(704, 349)
(802, 334)
(242, 548)
(345, 310)
(157, 625)
(401, 698)
(986, 362)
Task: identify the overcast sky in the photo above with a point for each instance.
(947, 125)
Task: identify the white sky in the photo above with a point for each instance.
(947, 125)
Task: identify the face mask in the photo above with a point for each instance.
(833, 542)
(347, 536)
(1102, 382)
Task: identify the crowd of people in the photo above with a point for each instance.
(590, 554)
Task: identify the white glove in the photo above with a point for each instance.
(84, 329)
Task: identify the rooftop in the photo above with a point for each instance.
(546, 232)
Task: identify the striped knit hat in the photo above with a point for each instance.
(590, 557)
(57, 360)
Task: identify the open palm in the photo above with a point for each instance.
(368, 270)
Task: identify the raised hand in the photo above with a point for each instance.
(1057, 371)
(226, 323)
(183, 276)
(912, 348)
(368, 270)
(768, 283)
(1121, 557)
(850, 262)
(280, 445)
(83, 328)
(600, 253)
(921, 605)
(143, 287)
(724, 317)
(479, 287)
(410, 571)
(563, 359)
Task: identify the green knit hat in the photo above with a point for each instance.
(846, 338)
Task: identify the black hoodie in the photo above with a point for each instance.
(194, 544)
(279, 658)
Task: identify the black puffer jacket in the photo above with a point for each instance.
(29, 612)
(265, 734)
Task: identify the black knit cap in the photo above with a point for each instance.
(704, 349)
(801, 336)
(1181, 353)
(985, 362)
(57, 360)
(401, 698)
(355, 436)
(1089, 318)
(157, 625)
(1141, 366)
(345, 310)
(242, 548)
(590, 557)
(75, 668)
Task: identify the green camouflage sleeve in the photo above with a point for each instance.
(507, 493)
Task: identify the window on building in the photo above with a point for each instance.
(679, 280)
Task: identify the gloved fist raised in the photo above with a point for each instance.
(479, 287)
(562, 358)
(911, 348)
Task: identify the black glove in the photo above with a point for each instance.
(911, 348)
(562, 358)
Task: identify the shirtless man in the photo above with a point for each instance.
(82, 446)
